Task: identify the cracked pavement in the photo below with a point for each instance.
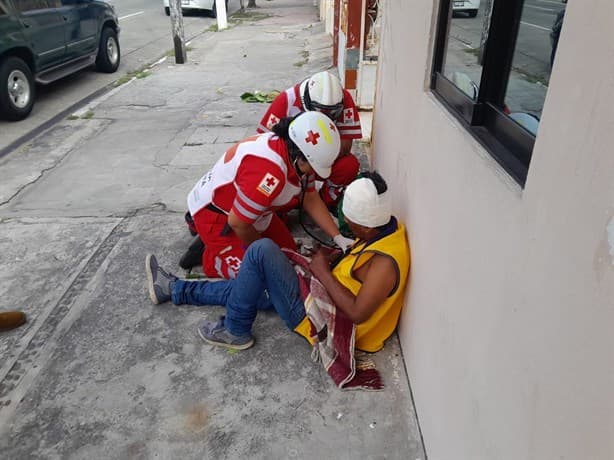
(98, 372)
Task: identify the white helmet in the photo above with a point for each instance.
(323, 92)
(317, 138)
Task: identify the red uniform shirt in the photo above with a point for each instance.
(289, 104)
(253, 178)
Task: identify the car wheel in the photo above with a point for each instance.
(108, 52)
(472, 13)
(16, 89)
(167, 10)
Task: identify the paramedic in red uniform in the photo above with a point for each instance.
(234, 203)
(323, 93)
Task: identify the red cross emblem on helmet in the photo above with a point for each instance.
(312, 137)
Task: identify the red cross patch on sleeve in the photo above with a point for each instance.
(268, 184)
(272, 121)
(348, 115)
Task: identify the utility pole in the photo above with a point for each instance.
(177, 28)
(220, 7)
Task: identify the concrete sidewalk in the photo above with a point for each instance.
(98, 372)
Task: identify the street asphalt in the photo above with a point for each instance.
(100, 372)
(145, 36)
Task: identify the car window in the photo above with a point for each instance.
(31, 5)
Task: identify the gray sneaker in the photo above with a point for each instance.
(215, 333)
(159, 282)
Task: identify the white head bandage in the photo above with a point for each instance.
(363, 206)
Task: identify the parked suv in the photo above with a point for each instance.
(44, 40)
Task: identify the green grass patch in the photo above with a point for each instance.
(122, 80)
(250, 16)
(73, 117)
(194, 276)
(87, 115)
(239, 18)
(305, 55)
(171, 53)
(139, 73)
(143, 74)
(474, 51)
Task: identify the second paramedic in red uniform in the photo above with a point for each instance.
(234, 203)
(323, 93)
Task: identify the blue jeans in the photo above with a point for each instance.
(266, 280)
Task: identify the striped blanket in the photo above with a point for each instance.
(333, 334)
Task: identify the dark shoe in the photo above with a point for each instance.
(190, 222)
(215, 333)
(11, 319)
(159, 283)
(193, 257)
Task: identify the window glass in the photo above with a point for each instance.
(467, 32)
(536, 45)
(499, 53)
(372, 30)
(30, 5)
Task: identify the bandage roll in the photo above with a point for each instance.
(362, 204)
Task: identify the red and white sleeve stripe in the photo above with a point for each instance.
(246, 208)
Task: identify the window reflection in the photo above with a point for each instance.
(462, 58)
(536, 45)
(32, 5)
(535, 51)
(371, 30)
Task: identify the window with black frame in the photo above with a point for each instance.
(31, 5)
(492, 67)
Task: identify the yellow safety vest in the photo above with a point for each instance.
(371, 334)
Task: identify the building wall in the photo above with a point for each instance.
(508, 328)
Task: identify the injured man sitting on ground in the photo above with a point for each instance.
(366, 282)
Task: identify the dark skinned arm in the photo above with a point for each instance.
(379, 278)
(346, 146)
(244, 231)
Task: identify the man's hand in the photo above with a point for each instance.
(378, 277)
(319, 264)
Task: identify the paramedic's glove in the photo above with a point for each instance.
(343, 242)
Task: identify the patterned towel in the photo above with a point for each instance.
(333, 334)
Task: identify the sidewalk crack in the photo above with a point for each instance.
(34, 181)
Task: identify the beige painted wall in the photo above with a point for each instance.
(508, 329)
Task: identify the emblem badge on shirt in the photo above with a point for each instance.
(348, 115)
(233, 262)
(268, 184)
(273, 120)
